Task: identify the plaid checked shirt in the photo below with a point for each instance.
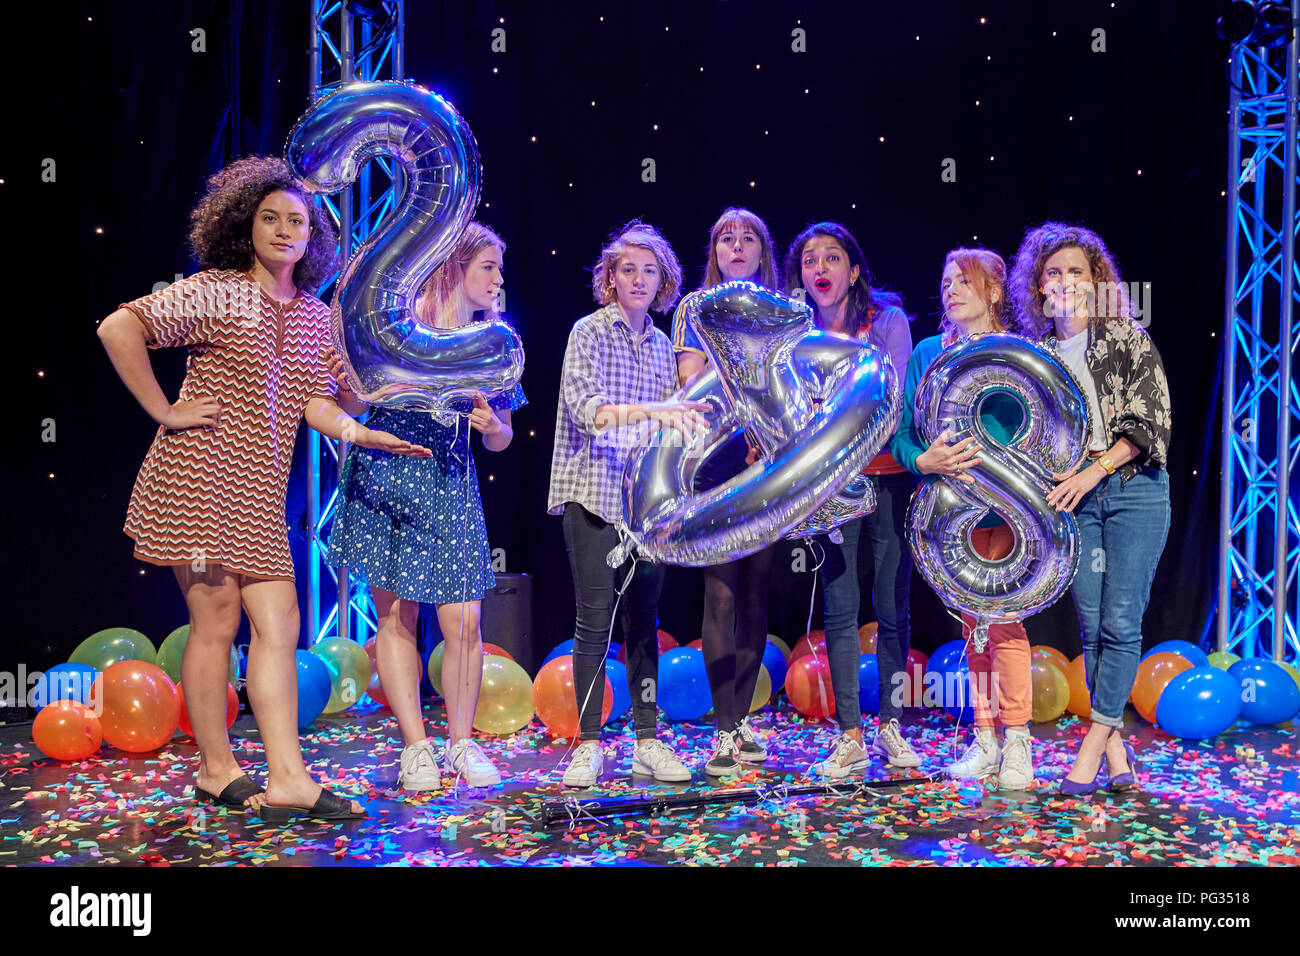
(606, 363)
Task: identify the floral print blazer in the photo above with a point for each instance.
(1131, 389)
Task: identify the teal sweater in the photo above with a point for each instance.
(1002, 415)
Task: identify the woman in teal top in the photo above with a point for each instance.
(973, 296)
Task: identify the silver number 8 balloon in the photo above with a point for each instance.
(391, 358)
(1013, 480)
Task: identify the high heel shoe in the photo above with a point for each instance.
(1124, 781)
(1071, 789)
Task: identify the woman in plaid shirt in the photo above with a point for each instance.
(619, 370)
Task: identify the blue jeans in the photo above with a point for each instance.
(890, 595)
(1122, 530)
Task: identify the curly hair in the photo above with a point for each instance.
(1039, 245)
(738, 218)
(221, 225)
(864, 301)
(639, 235)
(445, 288)
(986, 272)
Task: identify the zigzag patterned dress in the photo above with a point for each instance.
(217, 494)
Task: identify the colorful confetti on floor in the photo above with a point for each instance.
(1232, 800)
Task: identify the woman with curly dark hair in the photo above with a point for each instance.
(1066, 287)
(827, 262)
(209, 499)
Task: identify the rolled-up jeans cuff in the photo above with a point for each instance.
(1099, 718)
(648, 733)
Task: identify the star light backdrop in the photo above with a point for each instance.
(921, 127)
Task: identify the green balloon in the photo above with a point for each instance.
(172, 652)
(112, 645)
(349, 667)
(1223, 659)
(435, 668)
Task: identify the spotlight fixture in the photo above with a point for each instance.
(1258, 24)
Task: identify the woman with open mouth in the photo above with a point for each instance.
(827, 263)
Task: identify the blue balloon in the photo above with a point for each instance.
(65, 682)
(684, 684)
(1199, 704)
(313, 687)
(944, 656)
(957, 692)
(617, 674)
(1188, 650)
(1268, 694)
(776, 666)
(868, 684)
(566, 647)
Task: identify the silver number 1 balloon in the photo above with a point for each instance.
(1013, 480)
(391, 358)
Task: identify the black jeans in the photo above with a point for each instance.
(595, 587)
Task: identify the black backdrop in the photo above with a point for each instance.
(1044, 116)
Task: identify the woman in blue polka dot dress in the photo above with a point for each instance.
(414, 529)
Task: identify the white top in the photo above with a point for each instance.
(1073, 352)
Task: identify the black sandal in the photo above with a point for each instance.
(327, 807)
(233, 794)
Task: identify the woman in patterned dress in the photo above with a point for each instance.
(415, 531)
(1067, 290)
(209, 498)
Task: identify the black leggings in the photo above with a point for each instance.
(735, 632)
(595, 586)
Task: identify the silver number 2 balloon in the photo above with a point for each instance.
(1013, 480)
(391, 358)
(819, 405)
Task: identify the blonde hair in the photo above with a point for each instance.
(740, 216)
(638, 235)
(443, 293)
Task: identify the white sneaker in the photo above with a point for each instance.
(419, 767)
(846, 758)
(751, 748)
(979, 760)
(586, 766)
(656, 758)
(1017, 769)
(466, 759)
(890, 743)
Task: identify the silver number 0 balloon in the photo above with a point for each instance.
(391, 358)
(1013, 480)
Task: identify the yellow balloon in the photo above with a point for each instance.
(1051, 690)
(781, 645)
(349, 667)
(435, 668)
(762, 689)
(1295, 674)
(505, 699)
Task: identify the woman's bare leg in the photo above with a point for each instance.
(398, 659)
(462, 666)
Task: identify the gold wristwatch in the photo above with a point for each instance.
(1107, 463)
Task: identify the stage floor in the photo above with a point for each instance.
(1202, 805)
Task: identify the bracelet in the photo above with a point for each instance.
(1107, 464)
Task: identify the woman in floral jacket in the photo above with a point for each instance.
(1066, 288)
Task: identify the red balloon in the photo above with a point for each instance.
(232, 710)
(914, 678)
(556, 700)
(498, 650)
(806, 644)
(139, 706)
(808, 685)
(67, 730)
(698, 644)
(375, 689)
(666, 643)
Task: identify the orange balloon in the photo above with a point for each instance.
(375, 688)
(808, 685)
(498, 650)
(232, 710)
(139, 706)
(806, 644)
(1080, 701)
(67, 730)
(556, 700)
(1153, 675)
(1041, 652)
(867, 637)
